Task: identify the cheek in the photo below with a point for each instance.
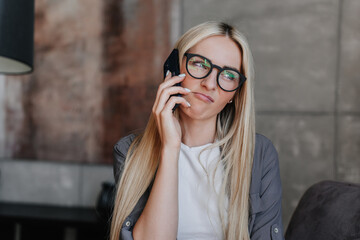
(183, 67)
(187, 83)
(225, 98)
(231, 97)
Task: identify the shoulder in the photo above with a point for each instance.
(265, 163)
(122, 146)
(265, 152)
(263, 144)
(120, 151)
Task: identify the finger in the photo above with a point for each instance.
(166, 95)
(168, 83)
(172, 102)
(174, 79)
(168, 75)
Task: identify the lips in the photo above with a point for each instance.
(203, 97)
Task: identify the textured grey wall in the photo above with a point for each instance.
(55, 183)
(307, 90)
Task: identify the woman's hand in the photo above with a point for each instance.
(168, 126)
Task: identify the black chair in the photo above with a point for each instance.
(328, 210)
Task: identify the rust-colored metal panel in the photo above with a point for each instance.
(97, 67)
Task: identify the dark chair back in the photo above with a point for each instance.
(328, 210)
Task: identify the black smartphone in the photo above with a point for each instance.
(172, 64)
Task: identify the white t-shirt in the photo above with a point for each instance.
(198, 197)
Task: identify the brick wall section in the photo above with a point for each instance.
(135, 44)
(64, 97)
(97, 65)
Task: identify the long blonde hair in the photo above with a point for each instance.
(235, 132)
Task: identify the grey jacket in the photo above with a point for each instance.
(265, 221)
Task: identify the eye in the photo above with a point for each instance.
(198, 62)
(230, 75)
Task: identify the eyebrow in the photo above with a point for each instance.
(225, 66)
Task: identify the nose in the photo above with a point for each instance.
(210, 81)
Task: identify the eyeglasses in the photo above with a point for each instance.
(200, 67)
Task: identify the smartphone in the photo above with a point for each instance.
(172, 64)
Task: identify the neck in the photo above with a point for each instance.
(197, 132)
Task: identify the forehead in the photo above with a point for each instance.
(221, 50)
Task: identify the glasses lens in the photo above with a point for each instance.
(229, 79)
(198, 67)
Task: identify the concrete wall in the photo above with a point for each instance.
(44, 182)
(307, 90)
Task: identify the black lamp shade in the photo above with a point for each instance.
(16, 36)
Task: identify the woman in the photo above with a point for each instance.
(200, 172)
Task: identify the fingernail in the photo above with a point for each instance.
(167, 73)
(182, 75)
(188, 90)
(188, 104)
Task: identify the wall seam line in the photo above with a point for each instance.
(336, 90)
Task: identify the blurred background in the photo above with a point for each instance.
(97, 65)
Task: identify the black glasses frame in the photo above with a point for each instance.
(212, 66)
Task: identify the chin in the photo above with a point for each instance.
(196, 113)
